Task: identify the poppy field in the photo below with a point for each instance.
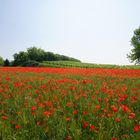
(69, 104)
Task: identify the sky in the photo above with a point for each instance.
(94, 31)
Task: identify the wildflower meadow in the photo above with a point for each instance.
(69, 104)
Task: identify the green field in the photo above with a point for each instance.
(62, 64)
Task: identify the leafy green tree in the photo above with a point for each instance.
(134, 55)
(20, 58)
(1, 61)
(49, 56)
(36, 54)
(6, 62)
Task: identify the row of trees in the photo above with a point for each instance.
(33, 56)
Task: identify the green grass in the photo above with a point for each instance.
(62, 64)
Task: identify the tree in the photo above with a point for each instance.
(20, 58)
(35, 54)
(134, 55)
(1, 61)
(6, 62)
(49, 56)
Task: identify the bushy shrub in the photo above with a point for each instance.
(6, 62)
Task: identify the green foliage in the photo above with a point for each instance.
(1, 61)
(6, 62)
(20, 58)
(134, 56)
(49, 56)
(34, 56)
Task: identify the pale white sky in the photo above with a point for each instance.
(96, 31)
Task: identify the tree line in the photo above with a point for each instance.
(33, 56)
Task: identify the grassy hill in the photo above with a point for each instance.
(62, 64)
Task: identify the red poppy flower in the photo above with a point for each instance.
(117, 119)
(38, 122)
(75, 112)
(33, 108)
(33, 113)
(125, 108)
(85, 124)
(109, 115)
(17, 126)
(4, 117)
(92, 127)
(68, 119)
(46, 113)
(59, 107)
(114, 138)
(136, 128)
(97, 106)
(85, 112)
(132, 115)
(114, 109)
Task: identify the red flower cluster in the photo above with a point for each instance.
(77, 71)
